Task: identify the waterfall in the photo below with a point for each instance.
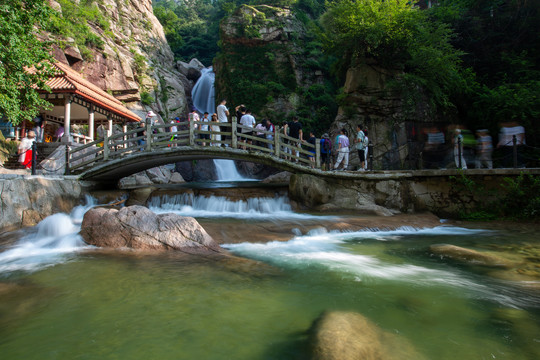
(263, 208)
(226, 171)
(203, 100)
(203, 92)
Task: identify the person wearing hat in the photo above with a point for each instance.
(25, 149)
(484, 148)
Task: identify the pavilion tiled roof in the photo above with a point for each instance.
(68, 80)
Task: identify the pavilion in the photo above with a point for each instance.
(77, 101)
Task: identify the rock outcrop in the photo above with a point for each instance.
(157, 175)
(316, 193)
(133, 57)
(351, 336)
(137, 227)
(26, 200)
(271, 38)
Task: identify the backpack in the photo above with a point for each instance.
(327, 146)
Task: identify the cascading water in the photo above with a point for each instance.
(56, 237)
(204, 100)
(203, 92)
(221, 207)
(226, 171)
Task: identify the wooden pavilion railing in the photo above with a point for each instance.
(156, 137)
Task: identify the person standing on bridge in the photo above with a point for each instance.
(215, 137)
(343, 150)
(204, 127)
(223, 117)
(248, 121)
(484, 148)
(360, 137)
(295, 131)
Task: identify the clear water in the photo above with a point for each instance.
(80, 303)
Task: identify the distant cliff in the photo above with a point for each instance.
(270, 62)
(121, 47)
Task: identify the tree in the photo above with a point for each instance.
(399, 36)
(25, 61)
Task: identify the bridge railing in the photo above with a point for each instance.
(153, 137)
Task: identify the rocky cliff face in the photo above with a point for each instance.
(262, 48)
(133, 59)
(369, 99)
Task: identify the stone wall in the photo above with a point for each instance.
(26, 200)
(387, 193)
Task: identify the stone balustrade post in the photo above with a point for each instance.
(234, 138)
(191, 133)
(318, 153)
(148, 135)
(105, 145)
(277, 145)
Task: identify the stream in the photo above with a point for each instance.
(63, 299)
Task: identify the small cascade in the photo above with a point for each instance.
(221, 207)
(55, 237)
(226, 171)
(203, 92)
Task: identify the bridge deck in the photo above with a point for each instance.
(125, 153)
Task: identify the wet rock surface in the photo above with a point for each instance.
(471, 257)
(137, 227)
(343, 335)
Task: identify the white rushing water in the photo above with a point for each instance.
(227, 171)
(203, 92)
(220, 207)
(328, 250)
(54, 239)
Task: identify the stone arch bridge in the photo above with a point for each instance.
(124, 153)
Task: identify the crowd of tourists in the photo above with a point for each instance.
(335, 153)
(475, 150)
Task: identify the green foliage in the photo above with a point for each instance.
(501, 42)
(141, 66)
(192, 28)
(73, 22)
(147, 99)
(523, 197)
(8, 147)
(21, 50)
(249, 77)
(399, 36)
(172, 26)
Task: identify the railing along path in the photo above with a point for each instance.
(157, 137)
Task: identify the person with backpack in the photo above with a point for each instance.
(270, 136)
(326, 151)
(359, 141)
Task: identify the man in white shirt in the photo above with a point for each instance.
(249, 122)
(223, 113)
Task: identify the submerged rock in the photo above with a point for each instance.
(469, 256)
(343, 335)
(137, 227)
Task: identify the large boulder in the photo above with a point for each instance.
(350, 336)
(137, 227)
